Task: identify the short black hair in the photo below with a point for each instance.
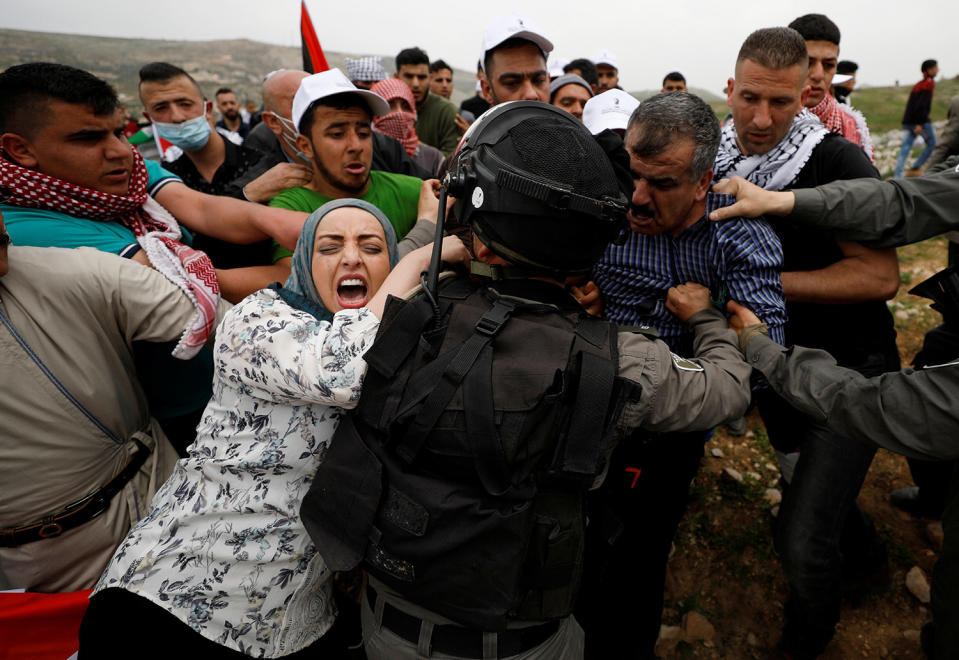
(659, 121)
(413, 56)
(775, 48)
(343, 101)
(847, 67)
(439, 65)
(512, 42)
(675, 76)
(162, 72)
(816, 27)
(928, 64)
(224, 90)
(26, 89)
(587, 70)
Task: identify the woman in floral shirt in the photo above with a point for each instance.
(222, 564)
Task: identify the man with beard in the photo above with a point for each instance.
(333, 119)
(514, 61)
(230, 121)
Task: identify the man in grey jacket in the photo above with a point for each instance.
(911, 412)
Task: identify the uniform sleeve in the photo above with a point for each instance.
(269, 350)
(676, 394)
(422, 233)
(882, 213)
(908, 412)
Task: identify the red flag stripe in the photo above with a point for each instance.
(311, 45)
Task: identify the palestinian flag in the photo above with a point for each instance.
(41, 626)
(314, 61)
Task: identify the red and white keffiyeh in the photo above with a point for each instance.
(399, 125)
(842, 120)
(157, 232)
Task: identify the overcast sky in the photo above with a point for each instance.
(889, 39)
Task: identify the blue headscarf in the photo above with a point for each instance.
(299, 289)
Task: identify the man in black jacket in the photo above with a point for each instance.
(915, 121)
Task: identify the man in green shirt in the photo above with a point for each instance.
(333, 118)
(435, 116)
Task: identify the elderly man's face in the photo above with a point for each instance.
(516, 74)
(764, 103)
(665, 198)
(79, 147)
(608, 77)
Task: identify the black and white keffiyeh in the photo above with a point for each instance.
(778, 167)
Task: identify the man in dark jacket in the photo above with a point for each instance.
(915, 120)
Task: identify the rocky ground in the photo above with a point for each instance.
(725, 590)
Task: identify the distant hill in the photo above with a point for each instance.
(239, 64)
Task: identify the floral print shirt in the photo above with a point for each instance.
(223, 548)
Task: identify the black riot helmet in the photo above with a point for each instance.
(536, 187)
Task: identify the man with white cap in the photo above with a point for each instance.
(608, 70)
(333, 118)
(275, 136)
(609, 110)
(514, 61)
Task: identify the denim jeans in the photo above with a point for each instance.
(819, 526)
(909, 136)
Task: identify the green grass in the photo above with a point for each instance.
(883, 106)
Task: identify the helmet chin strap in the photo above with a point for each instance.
(430, 278)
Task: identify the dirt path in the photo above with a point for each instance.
(724, 566)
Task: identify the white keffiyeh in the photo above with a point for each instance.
(778, 167)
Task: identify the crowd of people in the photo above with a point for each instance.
(244, 406)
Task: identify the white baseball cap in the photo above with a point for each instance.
(320, 85)
(509, 26)
(605, 57)
(555, 66)
(611, 109)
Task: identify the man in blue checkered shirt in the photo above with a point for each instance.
(672, 140)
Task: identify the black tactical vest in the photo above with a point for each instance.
(460, 479)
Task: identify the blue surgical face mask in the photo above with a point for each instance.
(190, 135)
(289, 137)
